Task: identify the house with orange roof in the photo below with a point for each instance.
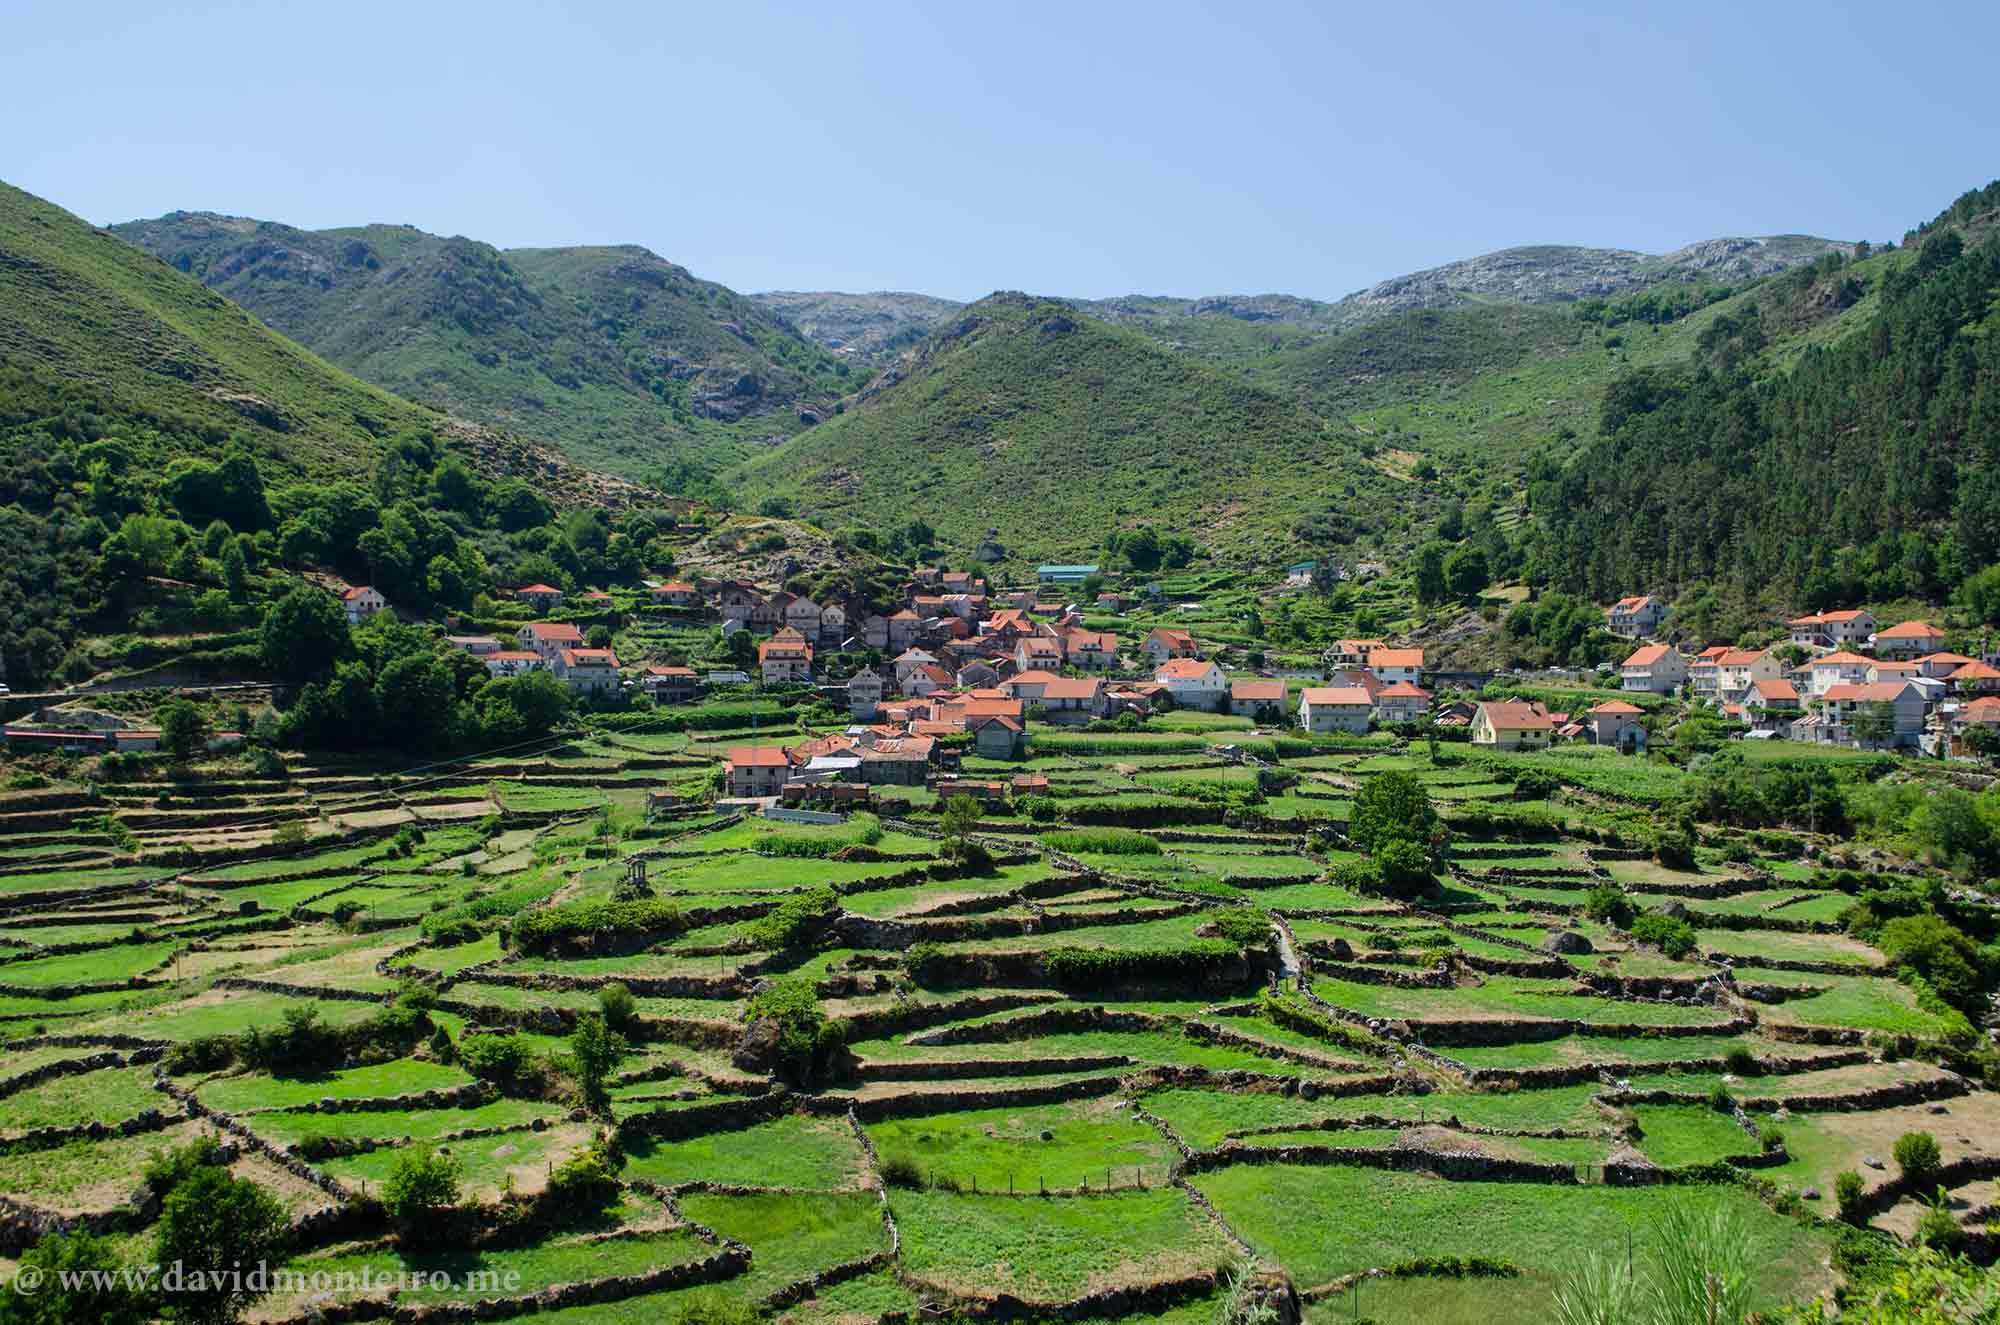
(996, 736)
(361, 602)
(1849, 628)
(1392, 665)
(513, 662)
(902, 630)
(1094, 650)
(549, 638)
(1035, 653)
(1975, 678)
(1772, 706)
(1336, 709)
(1982, 713)
(1617, 724)
(1512, 725)
(1653, 669)
(1939, 666)
(756, 770)
(1835, 669)
(1844, 709)
(1071, 699)
(1635, 617)
(670, 685)
(1908, 640)
(541, 597)
(1739, 669)
(1353, 652)
(676, 593)
(588, 671)
(1882, 669)
(1193, 682)
(1256, 698)
(1164, 643)
(926, 680)
(785, 658)
(1401, 702)
(1704, 671)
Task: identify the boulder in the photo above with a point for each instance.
(1566, 942)
(757, 1050)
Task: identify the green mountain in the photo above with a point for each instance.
(622, 359)
(170, 461)
(1025, 421)
(1833, 436)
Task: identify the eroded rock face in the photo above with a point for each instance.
(757, 1050)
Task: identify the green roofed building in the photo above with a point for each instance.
(1064, 574)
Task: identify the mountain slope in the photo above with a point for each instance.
(621, 358)
(868, 328)
(1834, 437)
(1024, 417)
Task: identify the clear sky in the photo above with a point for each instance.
(1084, 148)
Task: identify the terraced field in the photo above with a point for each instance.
(869, 1069)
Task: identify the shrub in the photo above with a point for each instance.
(1937, 1228)
(168, 1169)
(1607, 903)
(1675, 938)
(620, 1009)
(902, 1171)
(1406, 867)
(1740, 1061)
(1111, 968)
(1720, 1100)
(502, 1058)
(1847, 1191)
(1536, 784)
(922, 961)
(1104, 842)
(1771, 1138)
(539, 931)
(584, 1183)
(809, 1043)
(1918, 1156)
(1246, 927)
(1391, 805)
(795, 922)
(421, 1188)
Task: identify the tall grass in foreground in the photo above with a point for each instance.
(1698, 1272)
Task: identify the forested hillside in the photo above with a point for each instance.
(171, 464)
(1024, 417)
(623, 359)
(1856, 462)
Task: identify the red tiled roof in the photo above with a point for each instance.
(1395, 658)
(1258, 692)
(1514, 715)
(1910, 630)
(589, 658)
(1337, 695)
(1647, 656)
(1182, 669)
(1841, 659)
(1975, 671)
(552, 631)
(1615, 706)
(355, 592)
(1878, 692)
(758, 756)
(538, 588)
(1777, 690)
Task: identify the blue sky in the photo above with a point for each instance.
(1086, 149)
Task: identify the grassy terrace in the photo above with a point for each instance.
(1022, 1027)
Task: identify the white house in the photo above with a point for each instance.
(1911, 639)
(757, 770)
(1193, 682)
(1833, 630)
(864, 693)
(1390, 666)
(1837, 669)
(1248, 698)
(1739, 669)
(549, 638)
(1401, 702)
(1335, 709)
(588, 671)
(1636, 617)
(1163, 644)
(1845, 705)
(1654, 669)
(785, 658)
(362, 601)
(513, 662)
